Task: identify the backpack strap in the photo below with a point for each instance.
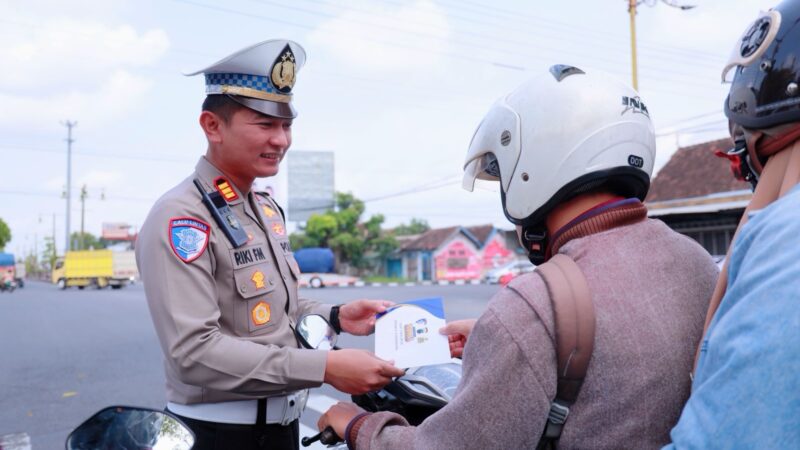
(574, 319)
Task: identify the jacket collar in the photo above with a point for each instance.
(598, 219)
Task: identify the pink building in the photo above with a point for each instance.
(453, 253)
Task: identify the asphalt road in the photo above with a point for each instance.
(66, 354)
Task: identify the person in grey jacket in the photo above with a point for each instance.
(573, 152)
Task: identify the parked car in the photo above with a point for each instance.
(514, 268)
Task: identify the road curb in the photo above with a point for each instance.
(405, 284)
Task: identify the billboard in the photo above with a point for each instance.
(311, 187)
(116, 231)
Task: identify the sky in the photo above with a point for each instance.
(395, 88)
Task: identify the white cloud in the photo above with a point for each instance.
(115, 96)
(69, 52)
(386, 38)
(81, 69)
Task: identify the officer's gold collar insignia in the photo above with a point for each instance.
(283, 70)
(277, 228)
(269, 212)
(225, 188)
(260, 313)
(258, 279)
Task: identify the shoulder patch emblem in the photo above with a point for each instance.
(269, 212)
(188, 237)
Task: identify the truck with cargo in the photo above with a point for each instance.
(20, 274)
(95, 268)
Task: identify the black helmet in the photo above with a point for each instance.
(765, 91)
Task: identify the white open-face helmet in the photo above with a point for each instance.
(556, 136)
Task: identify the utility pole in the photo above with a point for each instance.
(632, 4)
(634, 65)
(83, 214)
(69, 125)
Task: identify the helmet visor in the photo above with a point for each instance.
(495, 148)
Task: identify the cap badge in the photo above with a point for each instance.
(283, 70)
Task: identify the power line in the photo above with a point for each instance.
(424, 49)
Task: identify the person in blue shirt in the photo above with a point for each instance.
(746, 388)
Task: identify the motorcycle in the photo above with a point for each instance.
(8, 285)
(417, 394)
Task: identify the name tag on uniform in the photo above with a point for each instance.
(248, 256)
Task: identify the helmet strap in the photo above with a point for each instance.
(534, 239)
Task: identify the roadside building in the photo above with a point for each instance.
(449, 254)
(696, 195)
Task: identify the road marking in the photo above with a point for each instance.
(69, 394)
(16, 441)
(320, 403)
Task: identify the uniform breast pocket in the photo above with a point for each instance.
(259, 309)
(293, 265)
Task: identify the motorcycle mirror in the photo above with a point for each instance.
(315, 332)
(131, 427)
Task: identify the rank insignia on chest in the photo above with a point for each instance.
(225, 188)
(260, 313)
(188, 237)
(277, 228)
(258, 279)
(269, 212)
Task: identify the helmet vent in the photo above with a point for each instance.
(561, 71)
(505, 138)
(755, 36)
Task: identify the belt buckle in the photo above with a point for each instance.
(293, 406)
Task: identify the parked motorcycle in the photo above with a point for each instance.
(419, 393)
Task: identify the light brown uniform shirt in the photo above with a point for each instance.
(224, 315)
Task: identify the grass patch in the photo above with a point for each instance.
(382, 279)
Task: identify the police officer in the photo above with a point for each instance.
(221, 280)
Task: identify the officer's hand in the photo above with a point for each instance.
(457, 333)
(338, 417)
(358, 317)
(358, 371)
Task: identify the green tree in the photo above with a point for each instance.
(5, 234)
(356, 244)
(49, 254)
(417, 226)
(32, 266)
(88, 242)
